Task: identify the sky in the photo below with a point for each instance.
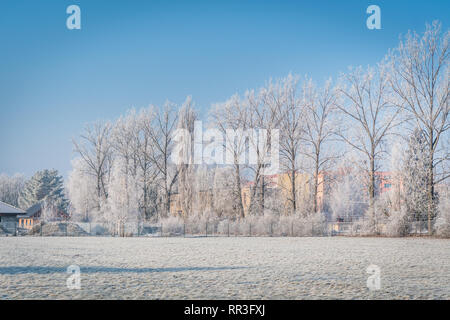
(53, 81)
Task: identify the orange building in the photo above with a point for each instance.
(33, 216)
(325, 180)
(175, 205)
(203, 198)
(385, 181)
(280, 183)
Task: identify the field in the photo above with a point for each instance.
(224, 268)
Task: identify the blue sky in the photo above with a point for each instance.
(132, 53)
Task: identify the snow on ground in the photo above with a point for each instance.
(224, 268)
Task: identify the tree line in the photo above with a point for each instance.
(393, 115)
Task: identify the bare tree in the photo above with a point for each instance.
(124, 143)
(223, 190)
(319, 129)
(95, 150)
(420, 79)
(263, 119)
(203, 180)
(161, 131)
(145, 159)
(81, 188)
(366, 104)
(285, 96)
(123, 204)
(232, 116)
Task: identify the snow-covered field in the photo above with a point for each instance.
(224, 268)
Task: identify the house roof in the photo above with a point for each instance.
(32, 210)
(9, 209)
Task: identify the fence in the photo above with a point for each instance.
(222, 228)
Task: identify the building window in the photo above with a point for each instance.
(387, 185)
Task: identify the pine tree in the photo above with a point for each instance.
(46, 185)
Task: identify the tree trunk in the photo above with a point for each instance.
(262, 194)
(372, 188)
(239, 191)
(167, 205)
(293, 192)
(430, 189)
(316, 184)
(254, 189)
(99, 192)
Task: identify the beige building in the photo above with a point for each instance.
(280, 183)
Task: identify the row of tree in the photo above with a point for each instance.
(124, 170)
(393, 115)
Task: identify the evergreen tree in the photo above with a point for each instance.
(46, 185)
(415, 176)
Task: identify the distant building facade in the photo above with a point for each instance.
(384, 181)
(33, 216)
(279, 185)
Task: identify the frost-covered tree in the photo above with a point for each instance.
(319, 130)
(46, 185)
(125, 140)
(161, 133)
(391, 204)
(123, 195)
(144, 161)
(10, 188)
(284, 97)
(415, 176)
(224, 193)
(186, 171)
(49, 212)
(442, 225)
(371, 117)
(346, 198)
(95, 149)
(203, 196)
(263, 119)
(421, 81)
(233, 116)
(82, 192)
